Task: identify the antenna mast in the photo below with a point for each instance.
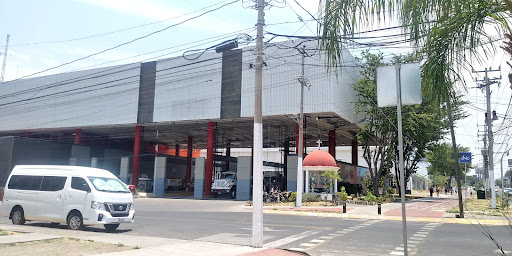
(5, 58)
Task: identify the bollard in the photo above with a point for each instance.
(378, 208)
(344, 207)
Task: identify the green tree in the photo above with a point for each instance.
(498, 183)
(423, 124)
(442, 163)
(331, 176)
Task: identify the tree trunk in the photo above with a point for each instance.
(455, 157)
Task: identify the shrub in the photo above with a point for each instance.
(293, 197)
(353, 196)
(370, 197)
(344, 196)
(310, 197)
(389, 192)
(342, 190)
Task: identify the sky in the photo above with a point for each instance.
(46, 34)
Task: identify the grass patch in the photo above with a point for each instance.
(483, 207)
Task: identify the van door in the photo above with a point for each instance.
(78, 197)
(52, 198)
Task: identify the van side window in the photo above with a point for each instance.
(25, 182)
(53, 183)
(79, 184)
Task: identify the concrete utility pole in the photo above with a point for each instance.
(300, 145)
(487, 83)
(257, 188)
(5, 58)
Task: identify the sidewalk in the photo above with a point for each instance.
(428, 209)
(154, 246)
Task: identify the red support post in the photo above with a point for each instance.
(297, 141)
(188, 174)
(228, 154)
(136, 154)
(177, 153)
(78, 136)
(332, 143)
(209, 159)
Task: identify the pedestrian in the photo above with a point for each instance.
(431, 189)
(437, 191)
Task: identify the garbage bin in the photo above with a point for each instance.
(480, 194)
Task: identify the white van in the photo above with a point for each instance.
(75, 195)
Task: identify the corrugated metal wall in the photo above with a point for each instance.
(85, 98)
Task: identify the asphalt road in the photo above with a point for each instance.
(226, 221)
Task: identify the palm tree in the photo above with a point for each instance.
(450, 34)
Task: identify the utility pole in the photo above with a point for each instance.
(5, 58)
(257, 188)
(300, 177)
(487, 83)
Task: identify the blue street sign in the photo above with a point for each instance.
(465, 157)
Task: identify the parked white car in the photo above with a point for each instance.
(75, 195)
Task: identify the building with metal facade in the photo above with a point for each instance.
(143, 110)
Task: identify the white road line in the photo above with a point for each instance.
(290, 239)
(412, 241)
(307, 245)
(397, 253)
(401, 249)
(297, 249)
(317, 241)
(422, 232)
(326, 237)
(416, 238)
(419, 235)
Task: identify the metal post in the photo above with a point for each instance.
(257, 189)
(401, 154)
(379, 210)
(344, 207)
(466, 182)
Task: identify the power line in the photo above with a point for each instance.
(128, 42)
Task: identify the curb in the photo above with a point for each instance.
(397, 218)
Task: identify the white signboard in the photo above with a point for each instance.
(410, 78)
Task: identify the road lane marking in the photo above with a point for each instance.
(326, 237)
(290, 239)
(307, 244)
(415, 239)
(317, 241)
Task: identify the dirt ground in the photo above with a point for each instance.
(60, 247)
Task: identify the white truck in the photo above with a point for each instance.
(225, 184)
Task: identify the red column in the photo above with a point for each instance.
(209, 159)
(297, 141)
(228, 154)
(78, 136)
(189, 163)
(354, 160)
(332, 143)
(177, 150)
(136, 154)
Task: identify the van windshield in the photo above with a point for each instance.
(108, 185)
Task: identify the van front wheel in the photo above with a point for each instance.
(75, 221)
(111, 227)
(18, 216)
